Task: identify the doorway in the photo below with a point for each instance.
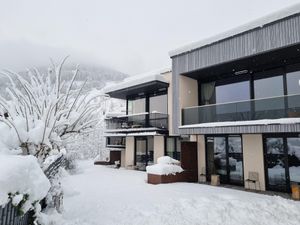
(282, 161)
(189, 160)
(143, 152)
(224, 157)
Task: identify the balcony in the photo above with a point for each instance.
(257, 109)
(137, 122)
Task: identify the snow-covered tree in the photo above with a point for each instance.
(43, 108)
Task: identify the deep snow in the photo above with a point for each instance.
(23, 175)
(100, 195)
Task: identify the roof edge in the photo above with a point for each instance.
(261, 22)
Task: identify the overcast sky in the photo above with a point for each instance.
(131, 36)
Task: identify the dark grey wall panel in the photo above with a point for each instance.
(276, 35)
(253, 129)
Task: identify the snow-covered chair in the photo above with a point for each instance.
(253, 178)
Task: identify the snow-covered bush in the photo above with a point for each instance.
(22, 182)
(41, 112)
(165, 166)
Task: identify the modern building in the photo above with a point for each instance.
(235, 96)
(142, 135)
(243, 107)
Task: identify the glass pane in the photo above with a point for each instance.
(171, 147)
(274, 84)
(293, 83)
(294, 158)
(208, 93)
(141, 154)
(216, 157)
(275, 160)
(266, 88)
(150, 150)
(136, 106)
(159, 104)
(116, 141)
(235, 156)
(233, 92)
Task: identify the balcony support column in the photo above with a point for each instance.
(147, 117)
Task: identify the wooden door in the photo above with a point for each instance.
(189, 160)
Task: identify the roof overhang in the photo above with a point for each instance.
(258, 23)
(255, 63)
(140, 89)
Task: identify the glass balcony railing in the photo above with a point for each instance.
(256, 109)
(142, 120)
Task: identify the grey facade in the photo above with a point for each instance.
(272, 36)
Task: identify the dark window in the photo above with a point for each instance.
(116, 141)
(158, 104)
(173, 147)
(293, 145)
(144, 147)
(282, 159)
(208, 93)
(141, 153)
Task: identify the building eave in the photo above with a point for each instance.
(258, 23)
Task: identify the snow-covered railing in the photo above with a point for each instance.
(256, 109)
(141, 120)
(9, 215)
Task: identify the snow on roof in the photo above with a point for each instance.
(135, 80)
(286, 12)
(244, 123)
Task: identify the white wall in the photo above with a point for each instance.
(159, 147)
(188, 93)
(129, 152)
(254, 156)
(123, 158)
(201, 155)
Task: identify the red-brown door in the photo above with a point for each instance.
(189, 160)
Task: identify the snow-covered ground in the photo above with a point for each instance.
(100, 195)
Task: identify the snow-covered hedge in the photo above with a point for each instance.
(22, 179)
(165, 166)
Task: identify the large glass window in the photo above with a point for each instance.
(136, 106)
(294, 158)
(141, 153)
(235, 159)
(144, 150)
(208, 93)
(293, 83)
(173, 148)
(276, 164)
(268, 87)
(283, 162)
(233, 92)
(158, 104)
(116, 141)
(224, 156)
